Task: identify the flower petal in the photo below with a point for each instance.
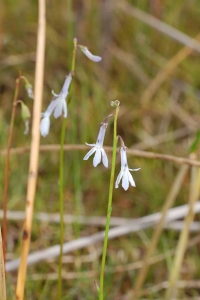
(58, 109)
(91, 145)
(104, 157)
(54, 94)
(51, 107)
(92, 57)
(44, 126)
(134, 169)
(97, 157)
(123, 157)
(101, 135)
(119, 177)
(89, 153)
(65, 88)
(65, 109)
(131, 180)
(125, 180)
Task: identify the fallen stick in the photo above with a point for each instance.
(135, 152)
(134, 226)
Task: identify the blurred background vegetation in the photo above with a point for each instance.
(133, 54)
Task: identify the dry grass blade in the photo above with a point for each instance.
(135, 152)
(2, 273)
(135, 226)
(158, 230)
(165, 72)
(159, 25)
(34, 151)
(183, 239)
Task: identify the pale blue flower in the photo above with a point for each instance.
(124, 174)
(92, 57)
(98, 147)
(56, 107)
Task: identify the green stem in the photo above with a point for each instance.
(109, 210)
(70, 30)
(7, 166)
(61, 182)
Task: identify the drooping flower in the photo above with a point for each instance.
(98, 147)
(45, 124)
(58, 101)
(124, 174)
(28, 87)
(92, 57)
(25, 114)
(56, 106)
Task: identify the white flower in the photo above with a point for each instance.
(56, 106)
(124, 174)
(29, 91)
(58, 103)
(92, 57)
(98, 147)
(45, 124)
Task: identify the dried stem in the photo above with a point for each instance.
(158, 230)
(136, 153)
(2, 273)
(7, 165)
(34, 151)
(183, 239)
(119, 231)
(165, 72)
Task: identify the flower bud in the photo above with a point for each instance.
(92, 57)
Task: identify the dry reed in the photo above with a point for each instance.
(34, 152)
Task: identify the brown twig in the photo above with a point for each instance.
(2, 273)
(7, 164)
(34, 151)
(135, 226)
(137, 153)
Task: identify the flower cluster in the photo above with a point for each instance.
(58, 104)
(124, 174)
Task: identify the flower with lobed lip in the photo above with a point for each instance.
(124, 174)
(58, 103)
(98, 147)
(92, 57)
(56, 106)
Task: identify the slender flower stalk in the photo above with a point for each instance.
(61, 181)
(110, 196)
(7, 165)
